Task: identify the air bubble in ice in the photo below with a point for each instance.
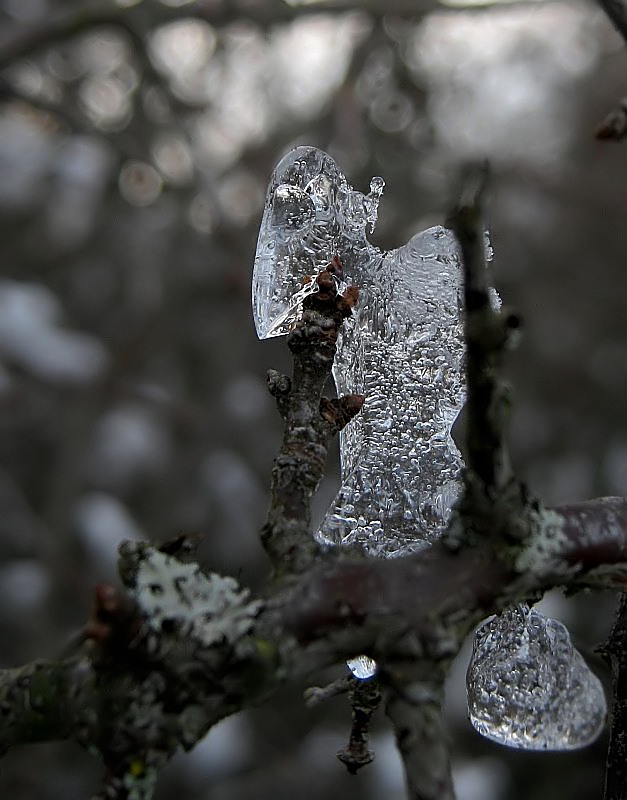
(293, 211)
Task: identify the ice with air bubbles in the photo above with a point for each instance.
(402, 348)
(529, 688)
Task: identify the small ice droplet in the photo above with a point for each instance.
(293, 211)
(362, 667)
(377, 185)
(529, 688)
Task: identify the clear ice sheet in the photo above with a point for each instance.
(529, 688)
(402, 348)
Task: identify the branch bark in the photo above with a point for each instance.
(616, 10)
(416, 714)
(615, 651)
(310, 422)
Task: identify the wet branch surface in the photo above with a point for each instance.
(176, 651)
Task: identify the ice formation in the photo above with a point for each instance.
(528, 687)
(362, 667)
(402, 349)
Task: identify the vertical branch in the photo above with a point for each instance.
(310, 422)
(486, 336)
(615, 651)
(365, 698)
(416, 714)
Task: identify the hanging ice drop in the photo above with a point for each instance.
(362, 667)
(529, 688)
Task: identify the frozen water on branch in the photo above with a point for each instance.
(362, 667)
(402, 349)
(311, 215)
(528, 687)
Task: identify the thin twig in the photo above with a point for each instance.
(615, 651)
(365, 698)
(486, 334)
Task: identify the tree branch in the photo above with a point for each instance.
(310, 422)
(616, 10)
(615, 651)
(416, 714)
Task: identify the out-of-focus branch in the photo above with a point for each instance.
(615, 650)
(616, 10)
(416, 714)
(24, 42)
(487, 332)
(310, 422)
(614, 125)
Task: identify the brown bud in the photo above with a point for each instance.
(351, 404)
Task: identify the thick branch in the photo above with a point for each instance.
(363, 606)
(42, 701)
(416, 714)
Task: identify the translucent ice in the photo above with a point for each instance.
(362, 667)
(401, 471)
(402, 349)
(311, 214)
(528, 687)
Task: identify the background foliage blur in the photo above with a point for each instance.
(136, 139)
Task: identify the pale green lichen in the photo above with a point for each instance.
(210, 608)
(545, 547)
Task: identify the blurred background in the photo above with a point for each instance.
(136, 140)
